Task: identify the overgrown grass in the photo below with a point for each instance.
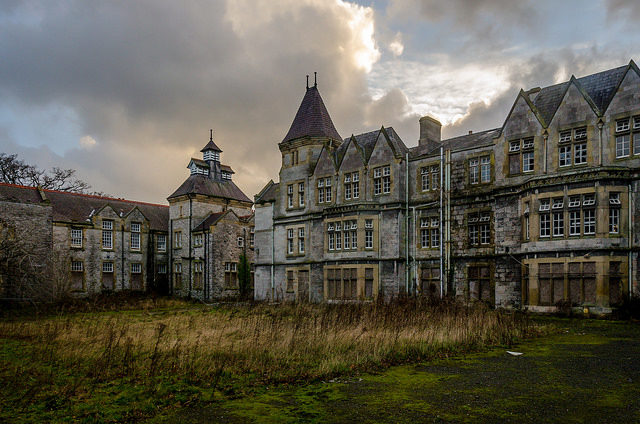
(123, 366)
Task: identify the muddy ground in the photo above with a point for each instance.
(589, 371)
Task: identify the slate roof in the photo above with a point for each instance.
(600, 87)
(548, 100)
(200, 184)
(211, 146)
(312, 119)
(18, 193)
(367, 141)
(78, 208)
(268, 193)
(208, 221)
(461, 142)
(226, 168)
(204, 164)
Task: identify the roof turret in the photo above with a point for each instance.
(312, 119)
(211, 145)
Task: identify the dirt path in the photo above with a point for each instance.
(589, 372)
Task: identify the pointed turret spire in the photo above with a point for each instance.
(312, 118)
(211, 145)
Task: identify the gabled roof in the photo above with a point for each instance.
(548, 100)
(198, 162)
(461, 142)
(226, 168)
(79, 208)
(601, 87)
(312, 119)
(209, 221)
(267, 194)
(211, 146)
(367, 142)
(201, 184)
(598, 90)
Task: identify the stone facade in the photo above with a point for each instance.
(25, 246)
(87, 244)
(537, 214)
(210, 228)
(82, 244)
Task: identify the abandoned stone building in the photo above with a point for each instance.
(540, 212)
(189, 248)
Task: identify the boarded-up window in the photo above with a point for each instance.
(479, 282)
(615, 283)
(332, 284)
(575, 283)
(589, 279)
(544, 283)
(77, 276)
(108, 282)
(290, 281)
(514, 164)
(368, 283)
(430, 281)
(558, 282)
(525, 284)
(303, 284)
(350, 282)
(136, 276)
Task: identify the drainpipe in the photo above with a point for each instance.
(206, 266)
(600, 125)
(415, 252)
(190, 251)
(122, 253)
(273, 260)
(630, 242)
(406, 221)
(170, 249)
(441, 223)
(545, 137)
(448, 216)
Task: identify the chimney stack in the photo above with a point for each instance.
(429, 130)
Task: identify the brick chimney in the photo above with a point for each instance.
(429, 130)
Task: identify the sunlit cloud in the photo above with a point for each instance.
(443, 91)
(396, 47)
(87, 142)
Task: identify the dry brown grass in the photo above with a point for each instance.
(260, 343)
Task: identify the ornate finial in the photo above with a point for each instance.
(315, 79)
(211, 135)
(307, 82)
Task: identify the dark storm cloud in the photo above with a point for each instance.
(147, 79)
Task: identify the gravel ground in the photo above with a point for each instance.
(588, 372)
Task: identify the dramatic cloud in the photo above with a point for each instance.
(126, 91)
(149, 78)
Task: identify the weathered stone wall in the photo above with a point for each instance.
(26, 234)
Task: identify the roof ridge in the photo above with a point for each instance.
(94, 196)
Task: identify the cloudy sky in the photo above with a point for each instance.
(125, 91)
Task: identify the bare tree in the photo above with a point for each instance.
(16, 171)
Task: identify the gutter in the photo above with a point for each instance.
(190, 249)
(122, 254)
(630, 242)
(406, 222)
(441, 222)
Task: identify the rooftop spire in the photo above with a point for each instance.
(315, 79)
(211, 145)
(312, 118)
(307, 81)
